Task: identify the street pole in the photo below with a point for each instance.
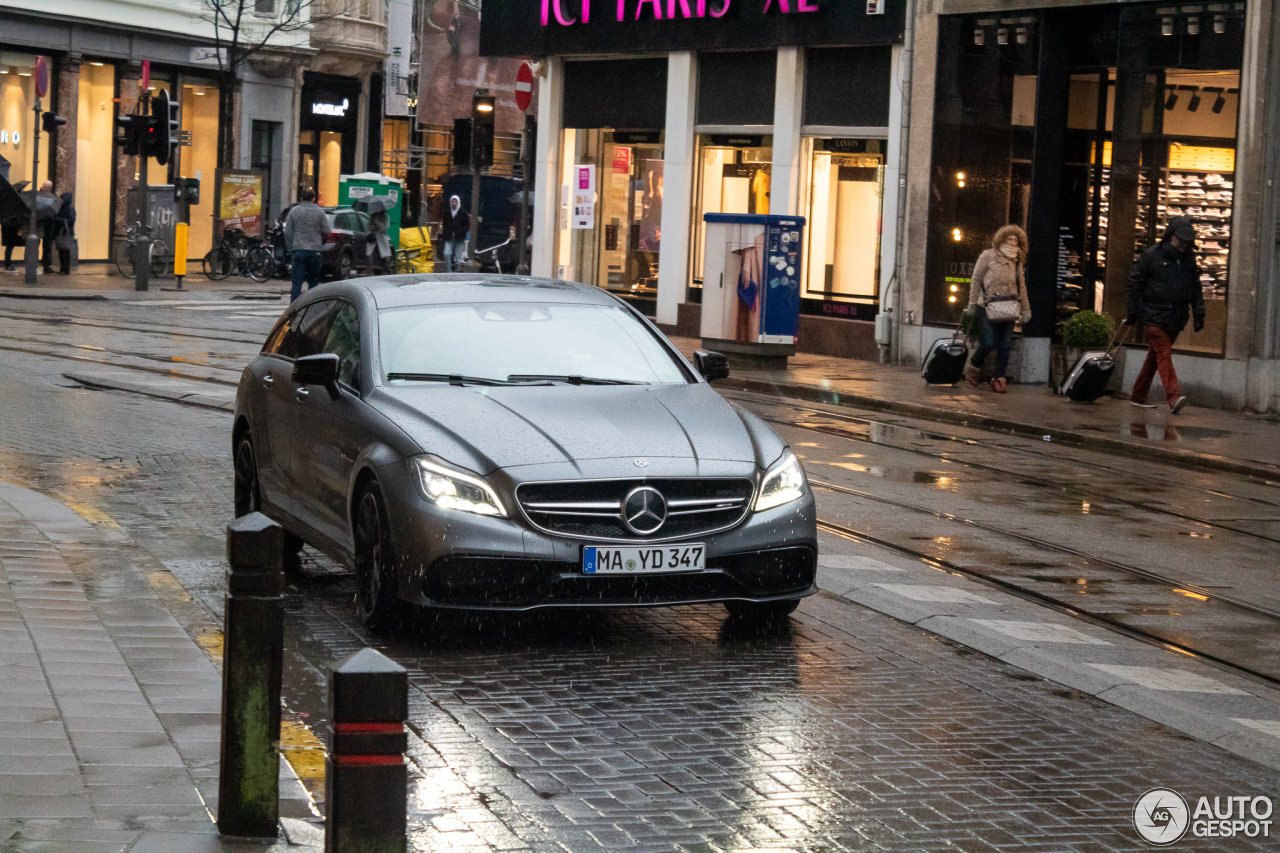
(473, 260)
(142, 240)
(31, 253)
(526, 157)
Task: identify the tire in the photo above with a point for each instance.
(292, 556)
(248, 496)
(219, 263)
(261, 263)
(124, 258)
(345, 266)
(377, 601)
(161, 266)
(761, 612)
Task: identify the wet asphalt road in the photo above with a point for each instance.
(672, 728)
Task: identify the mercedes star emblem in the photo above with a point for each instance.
(644, 510)
(639, 463)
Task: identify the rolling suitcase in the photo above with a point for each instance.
(1088, 380)
(944, 365)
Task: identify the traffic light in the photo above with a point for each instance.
(482, 110)
(462, 143)
(49, 122)
(128, 133)
(163, 128)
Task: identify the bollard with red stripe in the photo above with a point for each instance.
(366, 779)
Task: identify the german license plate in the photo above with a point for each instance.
(607, 559)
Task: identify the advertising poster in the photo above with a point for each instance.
(240, 200)
(650, 205)
(584, 197)
(451, 69)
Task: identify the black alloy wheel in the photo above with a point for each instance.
(376, 599)
(248, 497)
(761, 612)
(345, 265)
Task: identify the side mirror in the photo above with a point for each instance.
(319, 369)
(712, 365)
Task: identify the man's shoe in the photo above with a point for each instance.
(1142, 405)
(1177, 404)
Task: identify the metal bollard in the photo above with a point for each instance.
(366, 779)
(249, 774)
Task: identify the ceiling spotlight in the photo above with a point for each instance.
(1002, 36)
(1193, 25)
(979, 36)
(1171, 101)
(1022, 35)
(1194, 103)
(1219, 24)
(1219, 102)
(1166, 26)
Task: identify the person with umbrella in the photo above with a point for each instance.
(378, 244)
(47, 207)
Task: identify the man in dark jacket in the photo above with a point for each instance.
(1164, 288)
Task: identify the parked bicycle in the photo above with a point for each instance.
(494, 249)
(236, 252)
(161, 262)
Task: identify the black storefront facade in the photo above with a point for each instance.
(328, 131)
(665, 111)
(1091, 126)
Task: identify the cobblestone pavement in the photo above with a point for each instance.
(659, 729)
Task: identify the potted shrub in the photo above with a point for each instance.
(1085, 331)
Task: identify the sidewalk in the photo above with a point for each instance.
(100, 281)
(1235, 442)
(109, 715)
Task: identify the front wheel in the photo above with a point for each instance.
(761, 612)
(261, 263)
(248, 497)
(219, 263)
(376, 595)
(124, 258)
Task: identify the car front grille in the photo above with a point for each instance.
(593, 509)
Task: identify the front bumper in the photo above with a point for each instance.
(455, 559)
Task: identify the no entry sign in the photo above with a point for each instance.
(42, 76)
(524, 86)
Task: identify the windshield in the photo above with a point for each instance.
(522, 342)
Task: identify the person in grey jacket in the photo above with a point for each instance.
(304, 233)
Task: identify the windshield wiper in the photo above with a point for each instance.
(451, 378)
(571, 379)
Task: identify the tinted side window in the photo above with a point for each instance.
(275, 340)
(362, 222)
(347, 221)
(344, 341)
(307, 333)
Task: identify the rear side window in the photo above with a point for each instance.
(309, 329)
(343, 341)
(275, 340)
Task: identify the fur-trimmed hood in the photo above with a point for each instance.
(1011, 231)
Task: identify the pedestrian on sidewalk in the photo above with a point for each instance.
(454, 234)
(377, 258)
(1164, 288)
(304, 233)
(65, 233)
(47, 219)
(999, 290)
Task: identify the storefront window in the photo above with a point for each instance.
(733, 177)
(200, 160)
(94, 162)
(17, 119)
(1148, 134)
(612, 240)
(845, 187)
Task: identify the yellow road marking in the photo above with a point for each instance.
(93, 515)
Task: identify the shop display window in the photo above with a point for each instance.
(734, 176)
(94, 161)
(611, 231)
(200, 159)
(17, 120)
(844, 191)
(1148, 134)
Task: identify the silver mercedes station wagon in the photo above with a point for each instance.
(508, 443)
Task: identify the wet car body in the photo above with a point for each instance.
(564, 460)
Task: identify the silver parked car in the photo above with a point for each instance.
(504, 442)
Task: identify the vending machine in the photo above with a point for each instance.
(751, 284)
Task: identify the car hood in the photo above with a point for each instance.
(487, 428)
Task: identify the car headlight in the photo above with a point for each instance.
(449, 488)
(784, 483)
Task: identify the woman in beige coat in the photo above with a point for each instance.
(998, 278)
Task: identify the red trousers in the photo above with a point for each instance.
(1159, 357)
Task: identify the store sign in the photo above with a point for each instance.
(10, 137)
(337, 110)
(584, 197)
(569, 27)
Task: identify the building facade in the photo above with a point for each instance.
(679, 109)
(1091, 124)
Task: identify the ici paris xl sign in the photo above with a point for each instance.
(653, 9)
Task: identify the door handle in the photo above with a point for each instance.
(268, 380)
(303, 393)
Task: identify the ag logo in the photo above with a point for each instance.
(1161, 816)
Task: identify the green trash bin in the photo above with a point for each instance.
(352, 188)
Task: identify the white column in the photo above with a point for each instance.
(680, 148)
(546, 190)
(788, 113)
